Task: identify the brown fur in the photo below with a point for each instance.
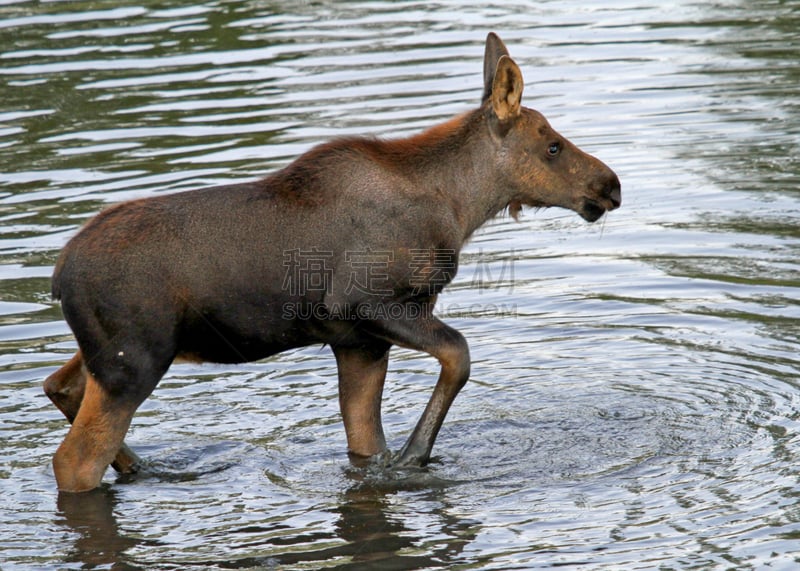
(93, 441)
(65, 388)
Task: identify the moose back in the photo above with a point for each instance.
(347, 246)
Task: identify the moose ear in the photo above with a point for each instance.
(495, 49)
(507, 89)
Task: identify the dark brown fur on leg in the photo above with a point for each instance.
(65, 388)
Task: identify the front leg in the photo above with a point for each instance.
(362, 372)
(432, 336)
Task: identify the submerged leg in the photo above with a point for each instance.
(430, 335)
(362, 372)
(66, 389)
(94, 439)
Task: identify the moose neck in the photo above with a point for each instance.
(454, 161)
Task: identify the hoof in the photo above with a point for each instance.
(411, 457)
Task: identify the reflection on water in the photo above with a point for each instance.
(367, 532)
(634, 398)
(98, 540)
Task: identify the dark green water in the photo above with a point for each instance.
(634, 395)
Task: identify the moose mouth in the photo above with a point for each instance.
(605, 198)
(592, 211)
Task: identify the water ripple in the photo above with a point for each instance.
(634, 397)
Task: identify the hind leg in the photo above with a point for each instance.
(66, 389)
(95, 438)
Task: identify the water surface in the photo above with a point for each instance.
(634, 397)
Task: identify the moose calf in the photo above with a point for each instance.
(209, 274)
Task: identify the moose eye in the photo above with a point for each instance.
(553, 149)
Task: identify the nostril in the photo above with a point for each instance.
(615, 196)
(613, 191)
